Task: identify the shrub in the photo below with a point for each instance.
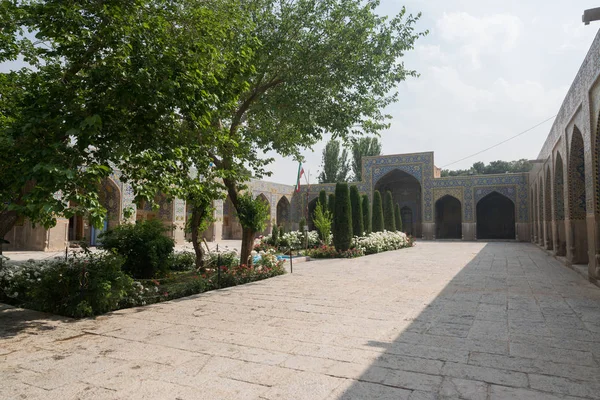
(184, 261)
(352, 253)
(143, 245)
(78, 287)
(324, 251)
(301, 224)
(331, 207)
(366, 211)
(377, 217)
(388, 212)
(322, 222)
(357, 217)
(398, 218)
(323, 199)
(377, 242)
(342, 230)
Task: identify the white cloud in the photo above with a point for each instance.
(478, 35)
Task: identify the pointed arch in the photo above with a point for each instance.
(268, 225)
(559, 206)
(283, 213)
(495, 217)
(577, 199)
(540, 211)
(448, 218)
(407, 192)
(548, 209)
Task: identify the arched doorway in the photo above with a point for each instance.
(548, 209)
(268, 225)
(408, 225)
(283, 213)
(559, 206)
(110, 198)
(540, 212)
(495, 217)
(232, 229)
(577, 200)
(532, 215)
(406, 191)
(448, 218)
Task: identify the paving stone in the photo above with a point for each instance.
(439, 321)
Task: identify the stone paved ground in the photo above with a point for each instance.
(441, 320)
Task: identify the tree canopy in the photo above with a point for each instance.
(494, 167)
(106, 86)
(363, 147)
(334, 164)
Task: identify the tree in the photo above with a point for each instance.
(323, 202)
(357, 218)
(335, 165)
(253, 215)
(342, 229)
(323, 199)
(377, 217)
(323, 222)
(366, 211)
(106, 86)
(331, 206)
(398, 217)
(494, 167)
(388, 212)
(363, 147)
(326, 67)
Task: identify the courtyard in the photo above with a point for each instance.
(469, 320)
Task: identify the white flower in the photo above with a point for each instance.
(15, 294)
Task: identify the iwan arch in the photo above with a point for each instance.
(556, 205)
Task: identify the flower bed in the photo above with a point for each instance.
(375, 242)
(94, 284)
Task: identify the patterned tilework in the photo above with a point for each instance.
(420, 166)
(577, 206)
(540, 204)
(456, 192)
(110, 198)
(597, 164)
(547, 196)
(180, 210)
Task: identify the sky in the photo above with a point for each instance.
(488, 71)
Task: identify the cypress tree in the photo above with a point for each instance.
(388, 212)
(366, 211)
(323, 200)
(275, 236)
(377, 216)
(342, 230)
(398, 218)
(331, 206)
(357, 218)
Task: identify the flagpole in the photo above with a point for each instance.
(307, 193)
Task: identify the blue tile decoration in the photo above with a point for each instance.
(468, 189)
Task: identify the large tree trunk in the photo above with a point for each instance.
(197, 218)
(8, 219)
(247, 246)
(247, 233)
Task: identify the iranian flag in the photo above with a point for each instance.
(300, 173)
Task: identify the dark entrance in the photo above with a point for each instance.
(407, 221)
(495, 217)
(448, 218)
